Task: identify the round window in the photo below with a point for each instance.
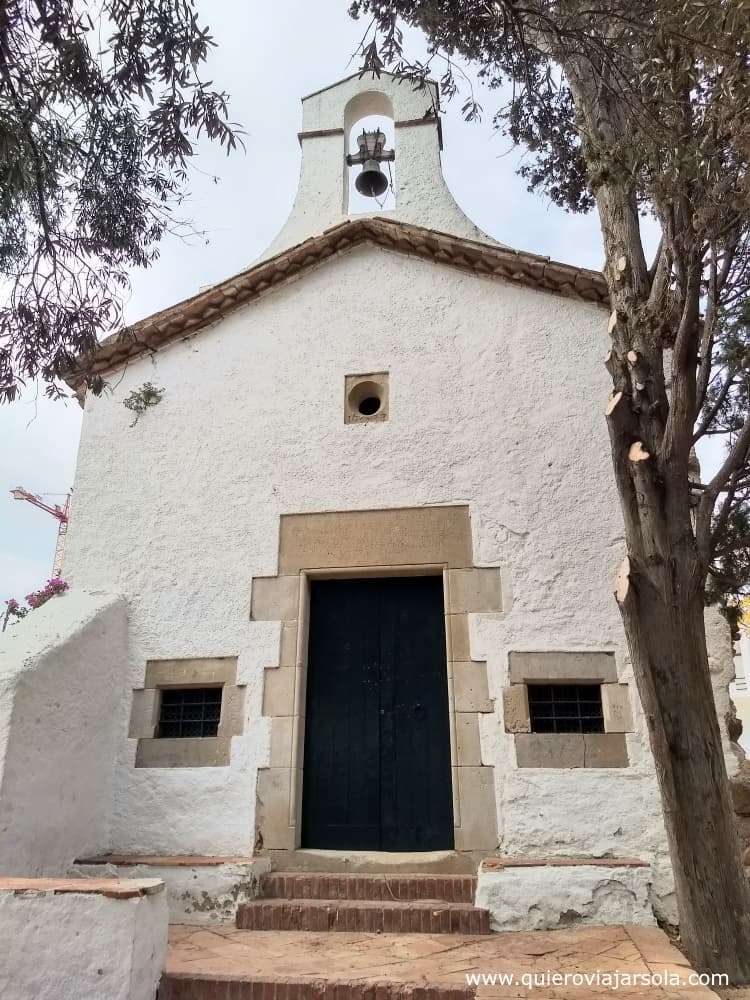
(365, 399)
(369, 405)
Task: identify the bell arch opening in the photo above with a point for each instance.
(369, 186)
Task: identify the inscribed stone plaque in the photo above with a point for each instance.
(410, 536)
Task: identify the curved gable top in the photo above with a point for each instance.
(372, 76)
(421, 195)
(207, 307)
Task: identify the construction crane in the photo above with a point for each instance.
(58, 512)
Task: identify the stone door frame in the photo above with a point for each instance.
(429, 531)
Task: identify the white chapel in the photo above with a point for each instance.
(346, 602)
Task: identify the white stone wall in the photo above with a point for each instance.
(547, 898)
(63, 691)
(497, 394)
(73, 946)
(195, 893)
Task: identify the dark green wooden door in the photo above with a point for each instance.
(377, 772)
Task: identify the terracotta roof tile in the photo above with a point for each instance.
(206, 307)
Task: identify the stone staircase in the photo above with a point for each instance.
(364, 904)
(417, 904)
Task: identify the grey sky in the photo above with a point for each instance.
(268, 57)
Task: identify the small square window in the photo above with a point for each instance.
(187, 713)
(566, 708)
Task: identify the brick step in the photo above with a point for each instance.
(194, 986)
(412, 917)
(400, 888)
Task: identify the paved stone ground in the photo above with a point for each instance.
(438, 960)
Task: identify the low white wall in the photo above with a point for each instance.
(196, 894)
(63, 672)
(81, 947)
(548, 897)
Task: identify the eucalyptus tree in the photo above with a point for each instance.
(640, 108)
(100, 107)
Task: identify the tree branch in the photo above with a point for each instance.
(734, 462)
(679, 428)
(726, 508)
(705, 424)
(716, 282)
(659, 274)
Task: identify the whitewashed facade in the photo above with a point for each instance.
(496, 390)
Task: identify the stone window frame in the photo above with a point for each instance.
(201, 751)
(381, 381)
(567, 750)
(311, 548)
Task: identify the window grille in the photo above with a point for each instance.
(566, 708)
(189, 712)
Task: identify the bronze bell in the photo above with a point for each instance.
(372, 182)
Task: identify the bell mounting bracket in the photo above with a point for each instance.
(388, 155)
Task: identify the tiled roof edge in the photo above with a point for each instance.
(214, 303)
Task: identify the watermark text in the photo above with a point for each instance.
(612, 980)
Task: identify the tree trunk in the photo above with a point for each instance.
(661, 588)
(667, 642)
